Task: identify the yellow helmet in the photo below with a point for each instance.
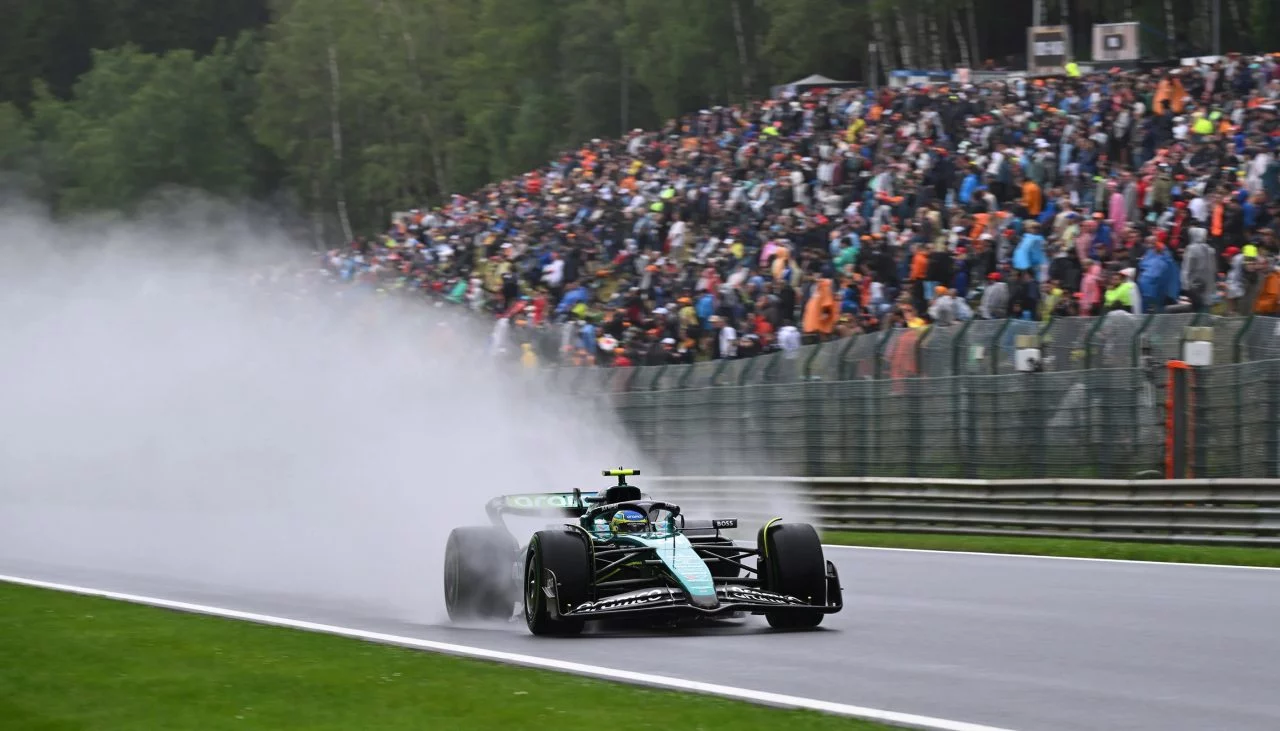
(629, 521)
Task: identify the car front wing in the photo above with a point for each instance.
(666, 600)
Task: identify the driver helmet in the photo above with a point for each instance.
(629, 521)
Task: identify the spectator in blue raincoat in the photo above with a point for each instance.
(575, 295)
(587, 337)
(705, 308)
(849, 299)
(1029, 256)
(969, 186)
(1101, 238)
(1049, 213)
(1156, 271)
(960, 283)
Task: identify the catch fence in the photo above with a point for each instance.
(1084, 423)
(975, 347)
(948, 402)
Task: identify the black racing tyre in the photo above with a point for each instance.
(567, 555)
(478, 574)
(791, 563)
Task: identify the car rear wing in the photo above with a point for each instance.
(535, 504)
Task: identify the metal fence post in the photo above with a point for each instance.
(1238, 393)
(1135, 362)
(842, 370)
(655, 406)
(911, 394)
(847, 415)
(723, 410)
(811, 390)
(1088, 341)
(1135, 344)
(958, 384)
(1027, 423)
(767, 393)
(962, 438)
(811, 426)
(577, 382)
(1097, 446)
(914, 385)
(657, 377)
(1272, 448)
(808, 362)
(1045, 337)
(745, 424)
(885, 337)
(876, 387)
(1044, 329)
(995, 345)
(1200, 382)
(721, 364)
(956, 348)
(1239, 339)
(1032, 413)
(771, 369)
(920, 340)
(688, 373)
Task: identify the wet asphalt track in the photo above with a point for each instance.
(1021, 643)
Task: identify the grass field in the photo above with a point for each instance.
(76, 663)
(1084, 548)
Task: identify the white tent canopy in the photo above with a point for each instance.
(809, 82)
(817, 80)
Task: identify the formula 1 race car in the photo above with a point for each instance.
(622, 554)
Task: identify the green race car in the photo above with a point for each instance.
(621, 554)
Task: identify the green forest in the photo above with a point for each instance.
(361, 107)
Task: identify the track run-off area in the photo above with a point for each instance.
(956, 641)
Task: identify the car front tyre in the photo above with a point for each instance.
(792, 564)
(567, 555)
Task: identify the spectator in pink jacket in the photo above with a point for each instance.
(1118, 208)
(1084, 241)
(1091, 288)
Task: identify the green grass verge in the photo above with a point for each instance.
(70, 662)
(1084, 548)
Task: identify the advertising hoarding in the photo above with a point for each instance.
(1115, 42)
(1048, 50)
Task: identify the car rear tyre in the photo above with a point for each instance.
(792, 564)
(566, 554)
(478, 582)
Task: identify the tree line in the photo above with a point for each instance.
(356, 108)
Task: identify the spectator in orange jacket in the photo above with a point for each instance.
(1268, 302)
(821, 311)
(1169, 91)
(919, 264)
(1032, 197)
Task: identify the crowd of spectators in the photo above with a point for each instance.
(735, 231)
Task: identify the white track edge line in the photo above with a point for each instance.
(908, 720)
(1055, 558)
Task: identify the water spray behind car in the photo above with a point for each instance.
(187, 404)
